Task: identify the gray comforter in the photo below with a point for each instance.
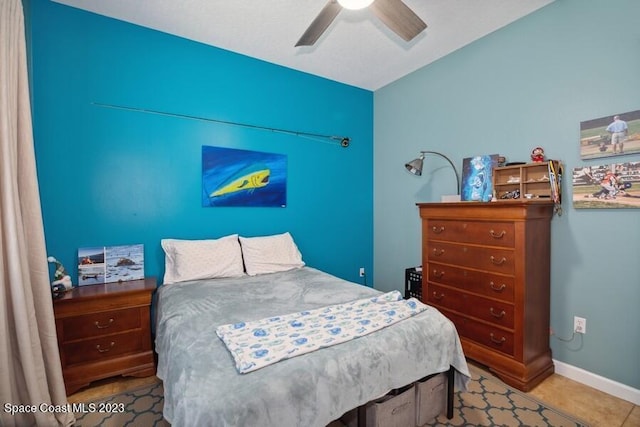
(203, 388)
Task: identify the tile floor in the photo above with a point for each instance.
(593, 406)
(597, 408)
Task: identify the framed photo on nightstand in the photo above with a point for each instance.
(106, 264)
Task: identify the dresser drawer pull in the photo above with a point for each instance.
(497, 235)
(437, 230)
(438, 252)
(497, 341)
(497, 315)
(498, 261)
(104, 350)
(438, 274)
(99, 326)
(496, 287)
(436, 296)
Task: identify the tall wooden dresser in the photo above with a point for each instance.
(486, 266)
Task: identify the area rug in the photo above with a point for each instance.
(140, 407)
(487, 402)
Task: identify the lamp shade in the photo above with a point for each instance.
(355, 4)
(415, 166)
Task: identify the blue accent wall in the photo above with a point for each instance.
(114, 177)
(528, 84)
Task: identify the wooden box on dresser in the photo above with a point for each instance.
(104, 331)
(486, 266)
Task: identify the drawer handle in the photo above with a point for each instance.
(438, 274)
(438, 252)
(497, 235)
(497, 341)
(437, 230)
(99, 326)
(104, 350)
(436, 296)
(497, 315)
(498, 261)
(400, 408)
(496, 287)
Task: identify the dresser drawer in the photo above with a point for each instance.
(480, 232)
(97, 324)
(484, 258)
(491, 285)
(104, 347)
(486, 309)
(494, 338)
(443, 297)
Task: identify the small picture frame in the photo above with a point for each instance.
(107, 264)
(477, 178)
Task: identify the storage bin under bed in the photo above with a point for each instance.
(410, 406)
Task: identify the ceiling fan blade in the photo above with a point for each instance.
(320, 24)
(398, 17)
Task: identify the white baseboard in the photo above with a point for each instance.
(598, 382)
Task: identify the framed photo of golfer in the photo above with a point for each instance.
(614, 135)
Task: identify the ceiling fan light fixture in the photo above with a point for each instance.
(355, 4)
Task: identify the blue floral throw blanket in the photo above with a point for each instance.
(263, 342)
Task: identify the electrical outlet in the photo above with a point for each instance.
(361, 271)
(580, 325)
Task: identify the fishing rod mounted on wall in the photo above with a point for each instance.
(344, 141)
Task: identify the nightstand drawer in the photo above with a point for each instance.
(104, 347)
(97, 324)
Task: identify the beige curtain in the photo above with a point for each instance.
(30, 372)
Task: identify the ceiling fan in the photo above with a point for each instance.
(394, 13)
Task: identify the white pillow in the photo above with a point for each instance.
(202, 259)
(270, 254)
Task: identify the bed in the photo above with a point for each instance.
(203, 387)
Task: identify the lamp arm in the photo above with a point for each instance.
(450, 162)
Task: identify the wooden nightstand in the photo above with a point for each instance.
(104, 331)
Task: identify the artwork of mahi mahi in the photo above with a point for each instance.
(248, 178)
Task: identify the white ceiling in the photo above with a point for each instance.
(356, 49)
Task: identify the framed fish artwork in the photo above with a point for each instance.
(232, 177)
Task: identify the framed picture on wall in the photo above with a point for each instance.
(615, 185)
(232, 177)
(614, 135)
